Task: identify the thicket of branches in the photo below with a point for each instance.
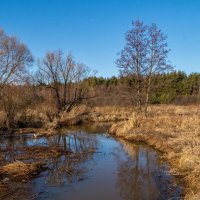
(58, 82)
(63, 76)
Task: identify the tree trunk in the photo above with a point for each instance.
(147, 95)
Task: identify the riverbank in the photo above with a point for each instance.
(174, 130)
(46, 121)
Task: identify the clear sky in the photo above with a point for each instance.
(93, 30)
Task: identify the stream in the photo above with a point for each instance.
(108, 168)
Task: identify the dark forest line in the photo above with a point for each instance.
(175, 87)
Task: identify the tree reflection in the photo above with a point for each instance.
(135, 172)
(80, 146)
(77, 147)
(10, 144)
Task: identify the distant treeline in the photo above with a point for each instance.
(174, 87)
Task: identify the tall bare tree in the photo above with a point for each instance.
(157, 57)
(133, 57)
(63, 75)
(144, 55)
(15, 57)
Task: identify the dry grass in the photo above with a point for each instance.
(175, 130)
(30, 161)
(94, 114)
(16, 171)
(19, 170)
(43, 118)
(110, 114)
(114, 110)
(1, 157)
(38, 152)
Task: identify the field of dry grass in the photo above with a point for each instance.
(110, 113)
(174, 130)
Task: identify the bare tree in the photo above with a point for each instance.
(133, 57)
(63, 75)
(157, 56)
(144, 55)
(14, 59)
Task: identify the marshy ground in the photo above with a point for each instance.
(83, 164)
(172, 130)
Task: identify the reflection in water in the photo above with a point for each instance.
(95, 166)
(138, 173)
(135, 172)
(63, 169)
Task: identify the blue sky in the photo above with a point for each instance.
(93, 30)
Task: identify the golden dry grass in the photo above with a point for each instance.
(114, 110)
(29, 161)
(38, 152)
(110, 113)
(95, 114)
(175, 130)
(47, 120)
(19, 170)
(1, 157)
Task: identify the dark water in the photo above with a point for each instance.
(105, 169)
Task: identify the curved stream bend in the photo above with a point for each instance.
(108, 168)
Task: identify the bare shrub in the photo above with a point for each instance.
(63, 76)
